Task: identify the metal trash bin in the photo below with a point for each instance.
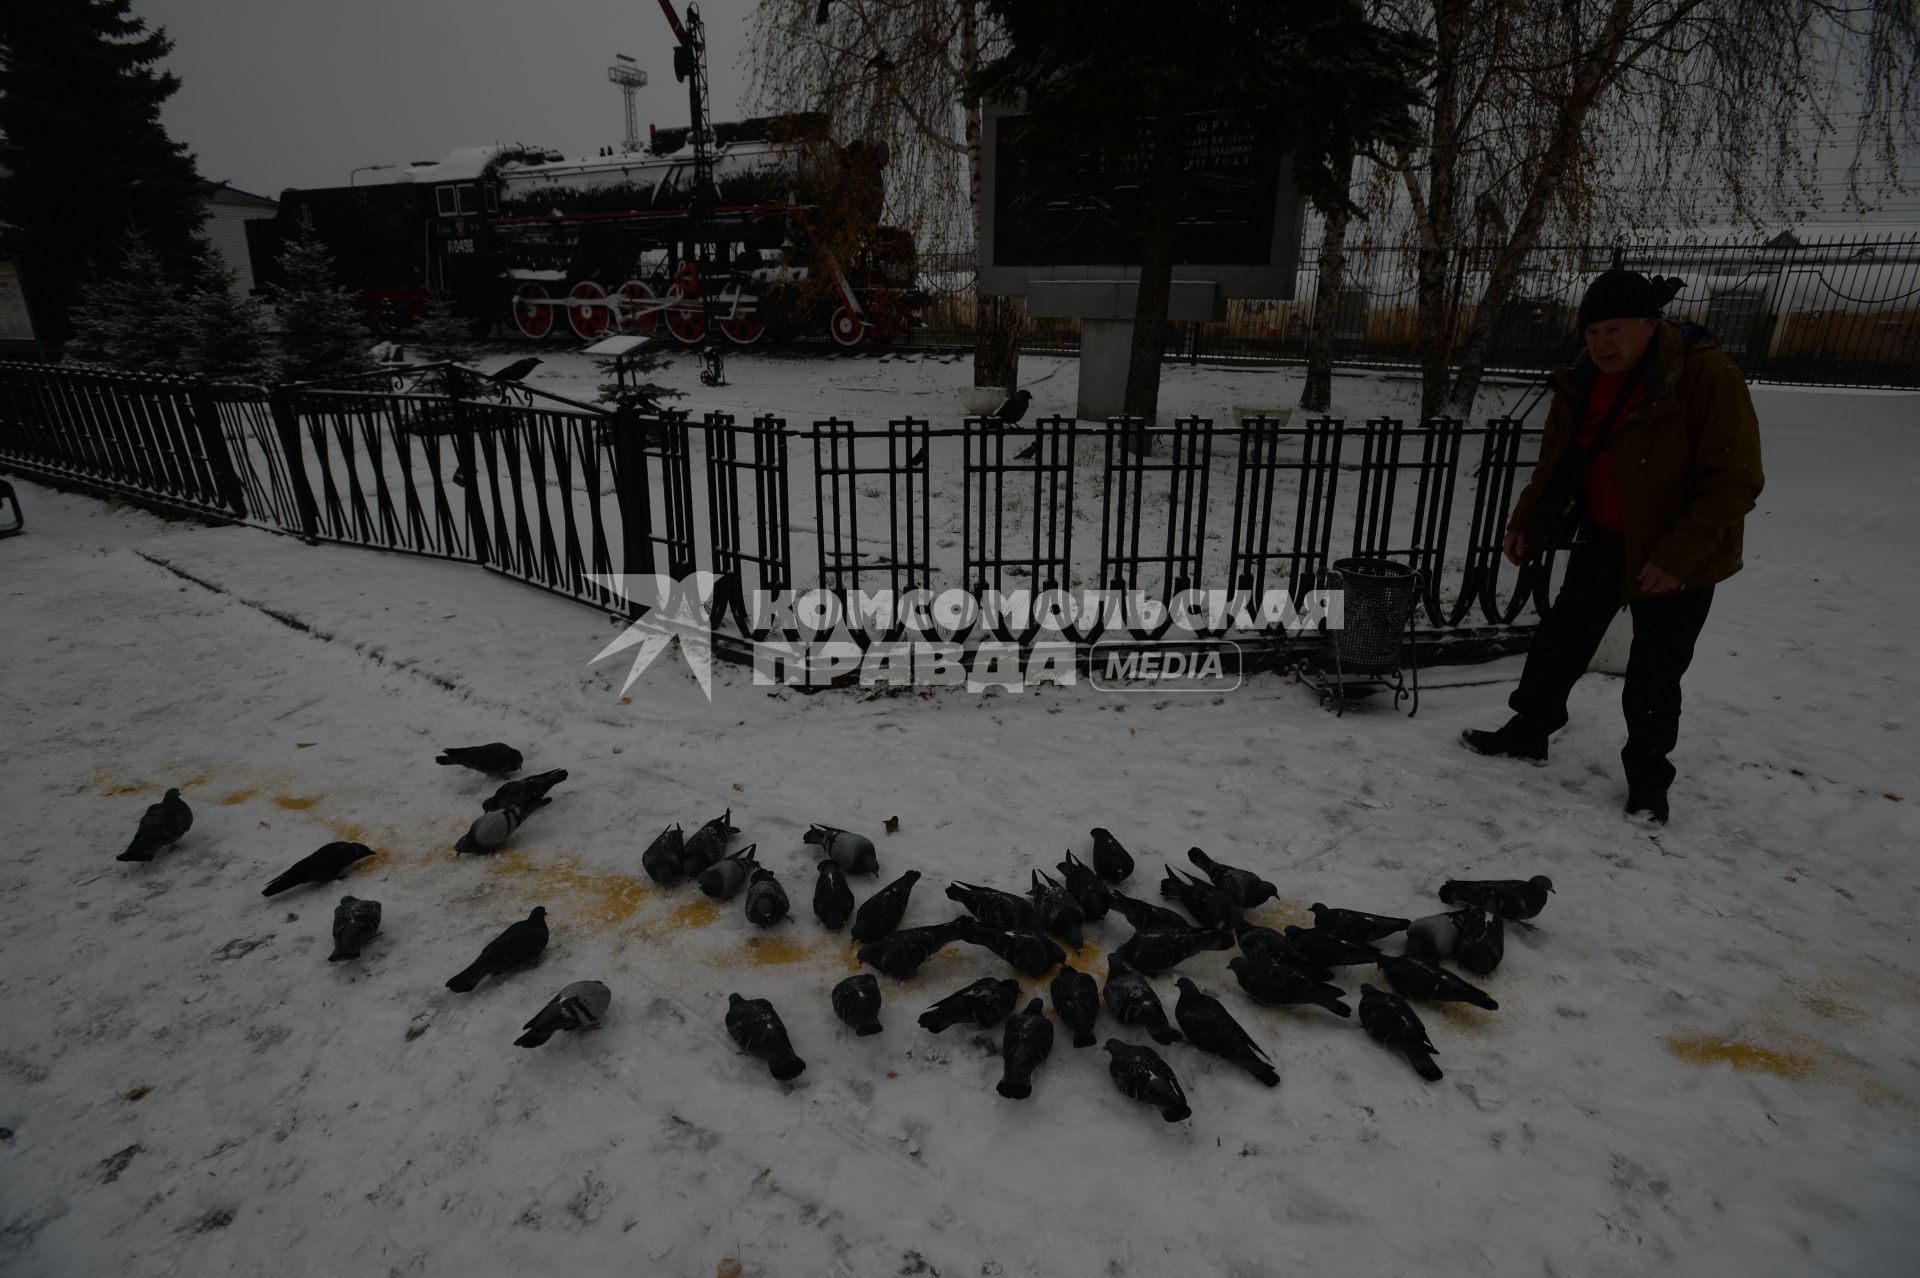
(1377, 607)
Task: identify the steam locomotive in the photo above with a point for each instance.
(785, 241)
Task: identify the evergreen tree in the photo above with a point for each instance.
(321, 333)
(229, 338)
(626, 385)
(444, 334)
(86, 158)
(136, 318)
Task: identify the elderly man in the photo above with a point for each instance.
(1649, 465)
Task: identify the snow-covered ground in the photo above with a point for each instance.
(1705, 1061)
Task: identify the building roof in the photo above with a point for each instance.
(228, 193)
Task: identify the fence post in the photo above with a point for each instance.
(206, 418)
(630, 495)
(467, 461)
(286, 425)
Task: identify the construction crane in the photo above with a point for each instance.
(631, 80)
(690, 65)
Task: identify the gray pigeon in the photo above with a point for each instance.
(1388, 1019)
(1140, 1073)
(330, 861)
(985, 1003)
(1110, 861)
(902, 952)
(1354, 925)
(518, 946)
(1210, 1027)
(661, 860)
(1024, 1046)
(1076, 1001)
(491, 830)
(162, 825)
(524, 791)
(1483, 940)
(1243, 887)
(1515, 899)
(1031, 953)
(495, 758)
(881, 913)
(832, 898)
(756, 1027)
(1417, 978)
(1434, 937)
(994, 907)
(1132, 1001)
(1059, 913)
(1278, 985)
(707, 844)
(1158, 951)
(724, 878)
(856, 1001)
(578, 1006)
(853, 853)
(766, 899)
(354, 923)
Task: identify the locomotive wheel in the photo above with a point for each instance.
(685, 320)
(589, 321)
(531, 315)
(742, 326)
(847, 329)
(632, 318)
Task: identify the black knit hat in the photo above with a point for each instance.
(1620, 294)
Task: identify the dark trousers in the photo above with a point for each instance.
(1664, 631)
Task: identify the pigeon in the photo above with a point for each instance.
(518, 946)
(1059, 913)
(1517, 901)
(1153, 952)
(1388, 1019)
(1483, 940)
(985, 1003)
(1417, 978)
(724, 878)
(994, 907)
(1013, 407)
(1436, 936)
(491, 830)
(1277, 985)
(526, 790)
(856, 1001)
(162, 825)
(577, 1007)
(1031, 953)
(756, 1027)
(1319, 948)
(852, 852)
(766, 899)
(1076, 1001)
(329, 862)
(1354, 925)
(518, 369)
(1086, 888)
(1243, 887)
(1209, 906)
(494, 759)
(354, 923)
(1110, 860)
(1024, 1046)
(832, 898)
(1140, 1073)
(881, 913)
(1265, 943)
(1210, 1027)
(1145, 916)
(901, 954)
(661, 860)
(1132, 1001)
(706, 844)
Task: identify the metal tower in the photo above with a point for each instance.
(631, 80)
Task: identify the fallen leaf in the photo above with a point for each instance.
(303, 745)
(616, 749)
(450, 616)
(892, 1074)
(626, 701)
(737, 787)
(1133, 732)
(893, 825)
(1896, 798)
(137, 1093)
(728, 1269)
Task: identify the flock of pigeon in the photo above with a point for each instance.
(1274, 968)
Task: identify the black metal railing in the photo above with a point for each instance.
(436, 461)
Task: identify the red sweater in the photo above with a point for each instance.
(1603, 487)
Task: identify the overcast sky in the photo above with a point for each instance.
(279, 93)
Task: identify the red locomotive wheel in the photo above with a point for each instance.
(589, 321)
(635, 308)
(685, 320)
(531, 314)
(846, 328)
(741, 325)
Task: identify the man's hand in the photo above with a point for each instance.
(1515, 548)
(1656, 580)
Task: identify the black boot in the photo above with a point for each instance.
(1646, 806)
(1520, 739)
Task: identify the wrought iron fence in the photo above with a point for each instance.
(1841, 312)
(436, 461)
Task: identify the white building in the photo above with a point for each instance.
(228, 212)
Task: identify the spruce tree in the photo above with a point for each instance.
(87, 159)
(137, 317)
(626, 385)
(229, 339)
(321, 333)
(444, 334)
